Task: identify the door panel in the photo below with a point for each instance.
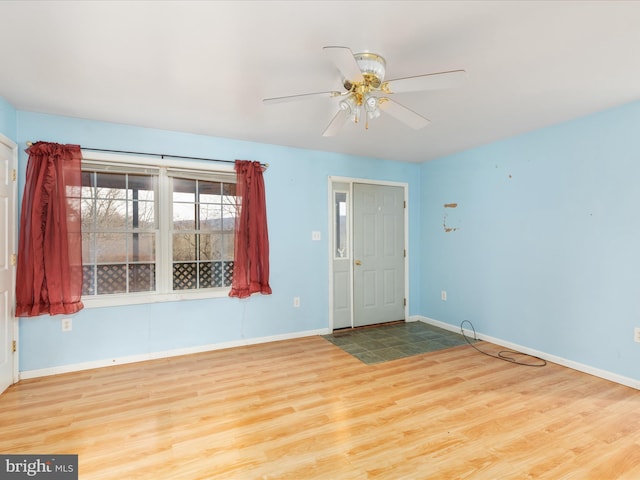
(378, 252)
(342, 297)
(7, 269)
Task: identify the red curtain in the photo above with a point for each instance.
(49, 275)
(251, 257)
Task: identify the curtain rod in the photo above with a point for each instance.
(161, 155)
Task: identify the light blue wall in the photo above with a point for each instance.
(547, 248)
(7, 119)
(296, 184)
(545, 251)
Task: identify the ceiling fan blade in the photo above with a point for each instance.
(404, 114)
(431, 81)
(336, 123)
(304, 96)
(343, 58)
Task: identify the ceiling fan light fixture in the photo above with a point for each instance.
(371, 106)
(350, 105)
(365, 89)
(373, 67)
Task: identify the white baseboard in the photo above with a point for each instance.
(165, 354)
(613, 377)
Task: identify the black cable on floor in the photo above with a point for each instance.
(502, 355)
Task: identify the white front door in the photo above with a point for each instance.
(378, 254)
(8, 227)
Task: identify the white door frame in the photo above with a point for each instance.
(12, 249)
(331, 236)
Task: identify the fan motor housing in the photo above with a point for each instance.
(373, 68)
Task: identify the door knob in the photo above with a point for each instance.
(358, 262)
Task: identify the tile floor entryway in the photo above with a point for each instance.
(378, 344)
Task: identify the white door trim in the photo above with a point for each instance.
(351, 180)
(13, 249)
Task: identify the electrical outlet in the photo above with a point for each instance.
(636, 334)
(443, 295)
(315, 235)
(296, 302)
(67, 325)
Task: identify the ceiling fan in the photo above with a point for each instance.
(366, 90)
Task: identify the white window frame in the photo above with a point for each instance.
(164, 271)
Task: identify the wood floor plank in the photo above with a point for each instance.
(304, 409)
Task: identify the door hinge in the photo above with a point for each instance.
(14, 346)
(404, 203)
(405, 253)
(405, 301)
(14, 175)
(14, 260)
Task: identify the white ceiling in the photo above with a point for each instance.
(205, 66)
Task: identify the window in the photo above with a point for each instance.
(202, 233)
(340, 227)
(119, 233)
(156, 232)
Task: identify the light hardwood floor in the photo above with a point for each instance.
(304, 409)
